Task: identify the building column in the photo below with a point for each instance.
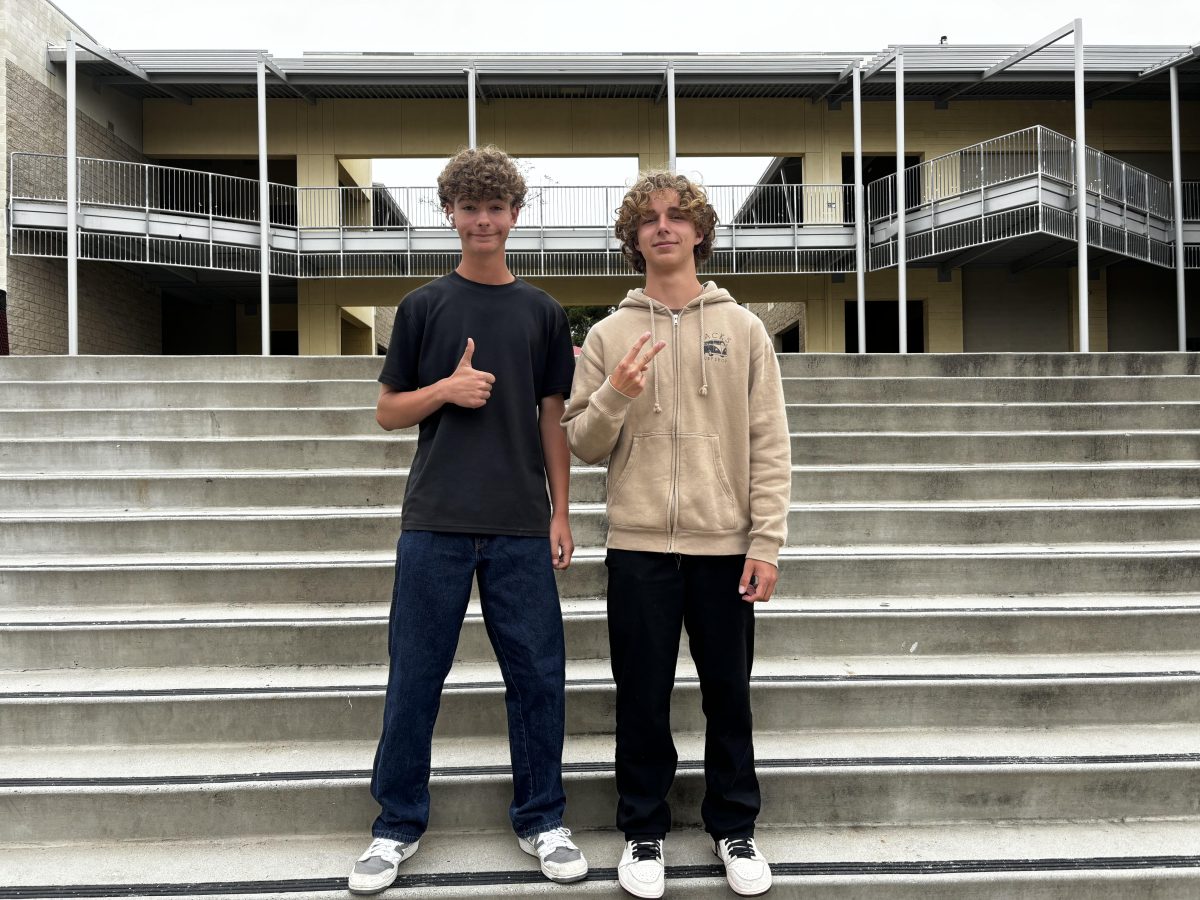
(1081, 194)
(72, 163)
(264, 212)
(901, 208)
(1177, 201)
(860, 225)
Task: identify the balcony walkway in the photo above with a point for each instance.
(1010, 199)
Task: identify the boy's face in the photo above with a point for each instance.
(666, 235)
(482, 225)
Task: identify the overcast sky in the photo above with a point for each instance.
(290, 27)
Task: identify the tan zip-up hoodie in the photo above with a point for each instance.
(700, 463)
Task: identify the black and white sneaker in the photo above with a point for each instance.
(642, 870)
(561, 860)
(378, 866)
(746, 869)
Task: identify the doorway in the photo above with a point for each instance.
(883, 326)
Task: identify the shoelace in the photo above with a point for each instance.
(739, 848)
(643, 850)
(551, 840)
(384, 848)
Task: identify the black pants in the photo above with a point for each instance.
(650, 596)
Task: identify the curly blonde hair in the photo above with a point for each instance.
(481, 173)
(693, 202)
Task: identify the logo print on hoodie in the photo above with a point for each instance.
(716, 346)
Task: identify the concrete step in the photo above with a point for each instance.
(283, 529)
(280, 705)
(65, 766)
(992, 417)
(241, 579)
(987, 389)
(382, 487)
(257, 368)
(987, 365)
(478, 797)
(787, 628)
(172, 422)
(382, 451)
(1100, 860)
(363, 391)
(924, 483)
(75, 395)
(189, 368)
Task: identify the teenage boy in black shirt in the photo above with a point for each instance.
(481, 360)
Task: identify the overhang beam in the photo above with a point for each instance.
(1009, 61)
(278, 73)
(121, 63)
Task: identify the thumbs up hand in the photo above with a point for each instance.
(468, 387)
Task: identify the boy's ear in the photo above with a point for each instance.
(447, 210)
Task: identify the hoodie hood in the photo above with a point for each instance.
(709, 294)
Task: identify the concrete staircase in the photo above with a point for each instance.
(980, 679)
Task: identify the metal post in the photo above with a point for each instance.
(1177, 203)
(671, 117)
(471, 88)
(72, 211)
(901, 206)
(1081, 191)
(264, 212)
(860, 243)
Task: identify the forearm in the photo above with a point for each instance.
(403, 409)
(556, 454)
(596, 414)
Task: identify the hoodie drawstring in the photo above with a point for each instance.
(703, 366)
(654, 362)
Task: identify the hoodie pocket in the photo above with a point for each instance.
(706, 502)
(639, 497)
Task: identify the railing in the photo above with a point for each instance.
(1191, 201)
(136, 212)
(1129, 210)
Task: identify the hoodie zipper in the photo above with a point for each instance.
(673, 506)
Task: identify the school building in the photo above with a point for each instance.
(144, 189)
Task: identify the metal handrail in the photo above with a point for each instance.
(1018, 154)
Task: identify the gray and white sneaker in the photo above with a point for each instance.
(561, 860)
(377, 868)
(746, 868)
(642, 870)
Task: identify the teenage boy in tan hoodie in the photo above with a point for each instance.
(680, 389)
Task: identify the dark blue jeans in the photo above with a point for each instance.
(434, 571)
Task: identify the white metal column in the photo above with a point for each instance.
(471, 89)
(72, 210)
(860, 243)
(1081, 190)
(264, 213)
(670, 117)
(1177, 203)
(901, 206)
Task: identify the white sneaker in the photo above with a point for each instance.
(642, 871)
(561, 860)
(377, 868)
(746, 869)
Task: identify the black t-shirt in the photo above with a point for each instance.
(480, 471)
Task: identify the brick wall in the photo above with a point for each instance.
(779, 317)
(385, 317)
(118, 312)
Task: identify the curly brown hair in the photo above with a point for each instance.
(693, 202)
(481, 173)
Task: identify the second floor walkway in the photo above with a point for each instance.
(1011, 199)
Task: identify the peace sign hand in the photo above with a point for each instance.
(629, 377)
